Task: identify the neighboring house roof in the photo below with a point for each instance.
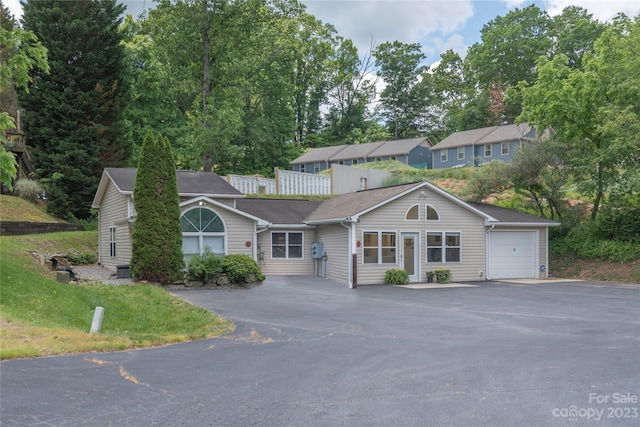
(322, 154)
(278, 211)
(361, 151)
(190, 183)
(486, 135)
(402, 146)
(356, 151)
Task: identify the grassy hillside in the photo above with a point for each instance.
(39, 316)
(14, 208)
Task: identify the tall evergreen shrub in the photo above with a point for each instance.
(157, 236)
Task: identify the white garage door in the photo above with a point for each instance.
(512, 254)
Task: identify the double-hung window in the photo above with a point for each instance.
(379, 247)
(504, 148)
(460, 153)
(443, 155)
(112, 241)
(286, 245)
(487, 150)
(443, 246)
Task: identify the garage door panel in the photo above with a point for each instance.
(512, 254)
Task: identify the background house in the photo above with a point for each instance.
(352, 238)
(413, 152)
(479, 146)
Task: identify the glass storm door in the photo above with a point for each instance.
(411, 255)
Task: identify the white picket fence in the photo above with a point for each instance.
(285, 183)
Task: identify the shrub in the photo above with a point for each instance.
(238, 266)
(28, 189)
(443, 275)
(204, 267)
(82, 258)
(396, 276)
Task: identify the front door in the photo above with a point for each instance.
(411, 255)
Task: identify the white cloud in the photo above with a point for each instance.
(390, 20)
(601, 10)
(14, 7)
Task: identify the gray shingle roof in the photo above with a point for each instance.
(361, 151)
(189, 182)
(509, 215)
(356, 151)
(486, 135)
(351, 204)
(401, 146)
(321, 154)
(278, 211)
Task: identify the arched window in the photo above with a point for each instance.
(432, 213)
(202, 228)
(413, 213)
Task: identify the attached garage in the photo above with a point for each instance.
(513, 254)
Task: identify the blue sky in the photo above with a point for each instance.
(437, 25)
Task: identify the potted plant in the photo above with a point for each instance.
(443, 275)
(430, 275)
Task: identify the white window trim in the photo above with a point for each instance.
(201, 235)
(443, 248)
(502, 148)
(460, 153)
(407, 213)
(113, 240)
(426, 216)
(316, 167)
(287, 244)
(490, 147)
(444, 156)
(380, 233)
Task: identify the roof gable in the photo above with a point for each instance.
(352, 204)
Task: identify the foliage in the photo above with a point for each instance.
(396, 276)
(583, 241)
(8, 167)
(156, 245)
(622, 224)
(13, 208)
(204, 267)
(399, 65)
(82, 258)
(238, 266)
(28, 189)
(601, 124)
(73, 120)
(443, 275)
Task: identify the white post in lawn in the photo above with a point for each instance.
(97, 320)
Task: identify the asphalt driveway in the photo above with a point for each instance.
(309, 352)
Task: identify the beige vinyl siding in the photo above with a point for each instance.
(289, 267)
(453, 218)
(113, 212)
(335, 241)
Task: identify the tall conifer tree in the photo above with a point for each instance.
(73, 115)
(156, 247)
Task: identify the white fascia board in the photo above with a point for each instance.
(292, 226)
(522, 224)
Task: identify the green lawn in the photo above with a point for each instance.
(41, 316)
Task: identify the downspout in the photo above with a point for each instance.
(486, 251)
